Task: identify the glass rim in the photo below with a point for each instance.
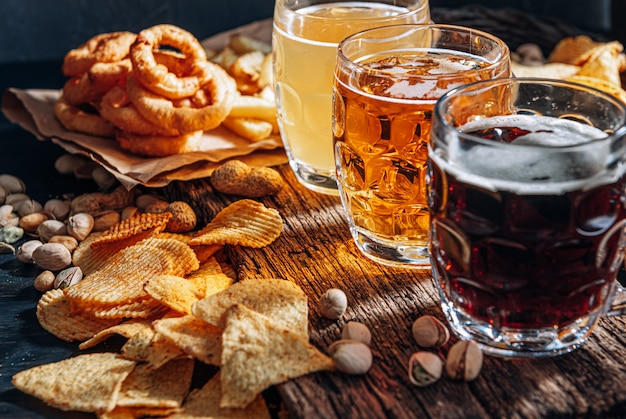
(421, 5)
(504, 56)
(484, 84)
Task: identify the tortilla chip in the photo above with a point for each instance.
(604, 64)
(258, 353)
(163, 387)
(243, 223)
(549, 70)
(205, 403)
(194, 336)
(87, 383)
(279, 299)
(151, 347)
(209, 278)
(125, 329)
(572, 50)
(599, 84)
(54, 315)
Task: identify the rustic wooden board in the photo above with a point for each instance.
(317, 252)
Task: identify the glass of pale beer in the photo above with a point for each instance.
(387, 81)
(305, 38)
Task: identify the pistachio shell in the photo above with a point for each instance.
(68, 163)
(44, 281)
(68, 277)
(106, 220)
(52, 256)
(50, 228)
(31, 222)
(6, 248)
(356, 331)
(351, 356)
(429, 332)
(28, 206)
(11, 234)
(465, 359)
(3, 194)
(7, 216)
(333, 303)
(80, 225)
(66, 240)
(129, 212)
(59, 208)
(25, 251)
(16, 199)
(12, 184)
(425, 368)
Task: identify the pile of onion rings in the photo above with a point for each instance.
(155, 92)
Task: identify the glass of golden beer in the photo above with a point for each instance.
(387, 81)
(305, 38)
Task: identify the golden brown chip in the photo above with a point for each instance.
(143, 224)
(87, 382)
(138, 412)
(258, 353)
(204, 252)
(572, 50)
(186, 260)
(549, 70)
(245, 223)
(603, 63)
(194, 336)
(174, 291)
(205, 403)
(209, 278)
(144, 308)
(279, 299)
(599, 84)
(163, 387)
(151, 347)
(54, 315)
(125, 329)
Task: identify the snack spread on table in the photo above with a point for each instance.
(141, 268)
(156, 92)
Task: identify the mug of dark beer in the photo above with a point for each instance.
(527, 191)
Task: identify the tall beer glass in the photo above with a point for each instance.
(386, 83)
(527, 190)
(305, 38)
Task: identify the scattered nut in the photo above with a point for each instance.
(11, 234)
(28, 206)
(465, 359)
(105, 220)
(425, 368)
(12, 184)
(429, 332)
(143, 201)
(80, 225)
(50, 228)
(16, 199)
(68, 241)
(3, 194)
(6, 248)
(103, 178)
(333, 303)
(157, 207)
(68, 163)
(129, 212)
(351, 356)
(68, 277)
(183, 217)
(59, 208)
(44, 281)
(31, 222)
(356, 331)
(25, 251)
(52, 256)
(237, 178)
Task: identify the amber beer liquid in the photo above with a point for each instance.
(381, 132)
(536, 248)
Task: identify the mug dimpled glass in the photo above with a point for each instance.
(527, 188)
(387, 81)
(305, 38)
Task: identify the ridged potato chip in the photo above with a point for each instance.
(173, 291)
(210, 279)
(280, 299)
(139, 226)
(125, 329)
(245, 222)
(86, 382)
(144, 308)
(54, 315)
(257, 352)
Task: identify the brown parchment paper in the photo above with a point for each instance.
(32, 109)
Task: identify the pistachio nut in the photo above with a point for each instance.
(356, 331)
(129, 212)
(465, 359)
(7, 216)
(30, 223)
(425, 368)
(6, 248)
(105, 220)
(11, 234)
(333, 303)
(16, 199)
(57, 207)
(66, 164)
(12, 184)
(429, 332)
(103, 178)
(50, 228)
(44, 281)
(25, 251)
(143, 201)
(3, 194)
(68, 277)
(351, 356)
(28, 206)
(52, 256)
(80, 225)
(68, 241)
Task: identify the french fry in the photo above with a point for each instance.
(251, 129)
(254, 107)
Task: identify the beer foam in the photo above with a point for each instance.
(541, 165)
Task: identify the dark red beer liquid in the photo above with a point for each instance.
(523, 261)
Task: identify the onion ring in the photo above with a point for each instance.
(103, 48)
(157, 77)
(99, 79)
(220, 93)
(159, 146)
(116, 107)
(74, 118)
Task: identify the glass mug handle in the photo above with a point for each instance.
(618, 305)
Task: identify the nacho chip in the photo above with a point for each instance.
(245, 223)
(205, 403)
(194, 336)
(87, 383)
(150, 347)
(54, 315)
(139, 226)
(278, 299)
(125, 329)
(163, 387)
(258, 353)
(603, 63)
(174, 291)
(209, 278)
